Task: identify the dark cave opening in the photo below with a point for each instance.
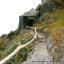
(30, 22)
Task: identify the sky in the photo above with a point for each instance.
(10, 10)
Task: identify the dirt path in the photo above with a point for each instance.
(40, 53)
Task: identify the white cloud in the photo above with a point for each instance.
(10, 11)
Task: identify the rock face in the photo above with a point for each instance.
(32, 12)
(50, 5)
(27, 19)
(20, 23)
(47, 5)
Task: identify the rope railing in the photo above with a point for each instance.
(19, 48)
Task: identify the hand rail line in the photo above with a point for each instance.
(18, 48)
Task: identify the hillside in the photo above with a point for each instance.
(48, 20)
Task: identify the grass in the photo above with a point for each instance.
(10, 41)
(53, 23)
(50, 19)
(57, 31)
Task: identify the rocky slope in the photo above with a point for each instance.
(39, 54)
(48, 18)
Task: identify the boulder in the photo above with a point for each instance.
(47, 6)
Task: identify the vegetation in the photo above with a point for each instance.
(10, 41)
(59, 1)
(53, 24)
(54, 21)
(49, 19)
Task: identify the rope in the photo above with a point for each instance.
(18, 48)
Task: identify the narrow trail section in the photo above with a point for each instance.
(19, 47)
(39, 54)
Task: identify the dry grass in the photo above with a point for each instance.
(9, 42)
(49, 19)
(58, 36)
(60, 1)
(54, 22)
